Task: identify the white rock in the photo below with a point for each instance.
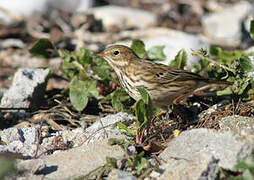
(225, 27)
(27, 89)
(196, 144)
(106, 127)
(79, 161)
(124, 16)
(20, 140)
(173, 41)
(27, 7)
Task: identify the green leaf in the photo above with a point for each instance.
(144, 95)
(116, 141)
(138, 47)
(252, 29)
(245, 64)
(91, 88)
(147, 99)
(143, 110)
(226, 91)
(215, 51)
(180, 60)
(119, 97)
(246, 164)
(125, 130)
(78, 94)
(84, 57)
(42, 48)
(102, 69)
(112, 161)
(141, 114)
(142, 165)
(156, 53)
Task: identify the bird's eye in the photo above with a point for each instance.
(116, 52)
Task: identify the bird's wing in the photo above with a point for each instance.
(167, 74)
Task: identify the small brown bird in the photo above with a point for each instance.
(165, 85)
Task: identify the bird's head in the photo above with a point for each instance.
(118, 55)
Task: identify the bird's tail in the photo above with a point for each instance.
(214, 81)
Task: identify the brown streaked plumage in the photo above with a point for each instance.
(163, 83)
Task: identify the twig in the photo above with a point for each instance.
(197, 53)
(38, 142)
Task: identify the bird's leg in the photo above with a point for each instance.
(200, 93)
(139, 140)
(176, 100)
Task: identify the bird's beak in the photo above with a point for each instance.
(101, 55)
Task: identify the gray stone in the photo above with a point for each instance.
(23, 140)
(79, 161)
(196, 144)
(205, 168)
(225, 27)
(215, 108)
(9, 135)
(75, 138)
(237, 123)
(27, 89)
(123, 16)
(173, 41)
(32, 165)
(116, 174)
(8, 43)
(27, 7)
(243, 126)
(106, 127)
(2, 91)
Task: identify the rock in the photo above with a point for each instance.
(195, 145)
(106, 127)
(27, 90)
(224, 27)
(116, 174)
(33, 166)
(8, 43)
(20, 59)
(123, 17)
(2, 91)
(71, 138)
(206, 168)
(23, 141)
(18, 8)
(9, 135)
(215, 108)
(173, 41)
(79, 161)
(243, 126)
(237, 123)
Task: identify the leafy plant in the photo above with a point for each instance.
(43, 48)
(252, 29)
(180, 60)
(83, 70)
(155, 53)
(119, 99)
(136, 163)
(245, 171)
(144, 111)
(247, 167)
(231, 66)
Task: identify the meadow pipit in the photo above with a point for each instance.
(165, 85)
